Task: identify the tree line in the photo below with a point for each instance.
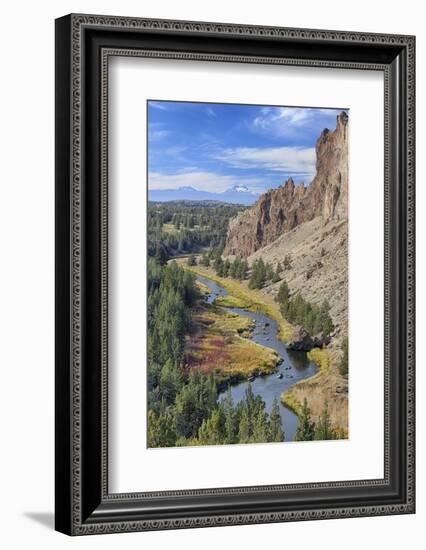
(261, 272)
(245, 422)
(315, 319)
(191, 226)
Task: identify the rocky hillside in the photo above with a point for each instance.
(317, 268)
(287, 207)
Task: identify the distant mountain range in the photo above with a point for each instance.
(238, 194)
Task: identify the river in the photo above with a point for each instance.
(294, 367)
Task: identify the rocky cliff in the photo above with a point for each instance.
(283, 209)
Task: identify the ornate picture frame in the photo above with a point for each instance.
(84, 44)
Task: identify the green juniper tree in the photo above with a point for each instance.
(244, 427)
(323, 430)
(269, 272)
(259, 426)
(230, 427)
(192, 260)
(226, 268)
(327, 326)
(276, 276)
(275, 429)
(306, 427)
(258, 274)
(161, 430)
(218, 266)
(283, 293)
(344, 361)
(205, 260)
(161, 254)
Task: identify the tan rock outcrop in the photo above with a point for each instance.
(281, 210)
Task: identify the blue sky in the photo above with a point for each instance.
(213, 147)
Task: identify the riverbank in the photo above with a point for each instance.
(239, 295)
(326, 386)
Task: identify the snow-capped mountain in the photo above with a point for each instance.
(238, 194)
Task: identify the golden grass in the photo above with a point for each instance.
(257, 301)
(318, 389)
(222, 320)
(322, 359)
(290, 401)
(233, 301)
(169, 228)
(219, 344)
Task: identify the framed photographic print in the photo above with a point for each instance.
(234, 274)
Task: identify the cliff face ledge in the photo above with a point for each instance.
(281, 210)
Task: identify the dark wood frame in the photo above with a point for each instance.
(83, 46)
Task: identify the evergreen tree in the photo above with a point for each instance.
(275, 429)
(192, 260)
(299, 309)
(323, 429)
(269, 271)
(283, 294)
(170, 382)
(161, 430)
(249, 400)
(326, 322)
(226, 268)
(276, 276)
(244, 428)
(205, 261)
(259, 426)
(193, 404)
(211, 431)
(344, 361)
(233, 270)
(309, 322)
(161, 254)
(306, 427)
(317, 324)
(230, 427)
(243, 271)
(218, 265)
(258, 274)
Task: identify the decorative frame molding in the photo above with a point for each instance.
(84, 43)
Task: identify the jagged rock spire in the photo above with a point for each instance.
(282, 209)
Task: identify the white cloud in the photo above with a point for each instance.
(283, 121)
(211, 112)
(158, 135)
(163, 106)
(288, 160)
(203, 181)
(176, 151)
(157, 131)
